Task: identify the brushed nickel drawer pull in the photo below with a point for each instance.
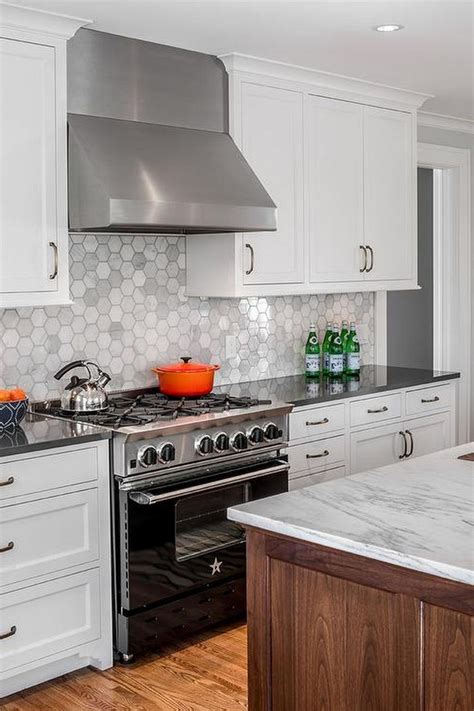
(364, 267)
(371, 252)
(55, 268)
(433, 399)
(317, 456)
(317, 422)
(8, 481)
(9, 634)
(412, 443)
(8, 547)
(405, 445)
(375, 412)
(252, 259)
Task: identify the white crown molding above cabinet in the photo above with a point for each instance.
(29, 20)
(34, 241)
(446, 123)
(338, 158)
(324, 83)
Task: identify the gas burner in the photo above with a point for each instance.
(137, 408)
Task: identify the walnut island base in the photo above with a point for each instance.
(330, 629)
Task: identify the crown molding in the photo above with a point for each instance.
(32, 21)
(325, 82)
(447, 123)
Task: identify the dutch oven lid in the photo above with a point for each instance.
(186, 367)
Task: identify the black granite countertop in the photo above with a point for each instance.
(37, 432)
(300, 390)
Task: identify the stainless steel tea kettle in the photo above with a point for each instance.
(84, 394)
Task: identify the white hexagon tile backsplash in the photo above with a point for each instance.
(130, 313)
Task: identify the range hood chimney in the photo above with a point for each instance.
(129, 171)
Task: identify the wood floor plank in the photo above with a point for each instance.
(209, 674)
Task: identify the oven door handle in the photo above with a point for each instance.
(145, 498)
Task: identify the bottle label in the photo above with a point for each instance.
(336, 363)
(313, 363)
(353, 361)
(313, 340)
(326, 360)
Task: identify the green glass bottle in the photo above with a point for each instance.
(336, 355)
(344, 334)
(352, 352)
(312, 354)
(326, 342)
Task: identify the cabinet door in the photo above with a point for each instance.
(430, 434)
(389, 194)
(376, 447)
(28, 220)
(334, 170)
(272, 142)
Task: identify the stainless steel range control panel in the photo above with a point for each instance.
(165, 452)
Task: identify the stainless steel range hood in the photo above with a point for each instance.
(127, 176)
(149, 149)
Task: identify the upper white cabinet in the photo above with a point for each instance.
(33, 196)
(272, 142)
(338, 157)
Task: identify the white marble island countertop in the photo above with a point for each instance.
(417, 514)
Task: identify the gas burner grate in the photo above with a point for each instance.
(148, 407)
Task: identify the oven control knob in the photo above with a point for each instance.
(147, 456)
(166, 453)
(204, 445)
(272, 432)
(239, 441)
(256, 435)
(221, 442)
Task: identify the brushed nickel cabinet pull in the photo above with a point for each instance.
(381, 409)
(371, 252)
(364, 267)
(8, 547)
(9, 634)
(317, 456)
(433, 399)
(252, 258)
(317, 422)
(405, 445)
(8, 481)
(55, 268)
(412, 443)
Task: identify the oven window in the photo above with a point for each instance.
(202, 525)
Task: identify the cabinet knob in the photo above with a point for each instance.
(375, 412)
(371, 252)
(317, 456)
(8, 547)
(7, 482)
(364, 250)
(405, 445)
(9, 634)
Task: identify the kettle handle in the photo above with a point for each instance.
(71, 366)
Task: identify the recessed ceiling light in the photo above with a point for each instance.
(389, 28)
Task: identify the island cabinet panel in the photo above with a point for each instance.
(333, 631)
(449, 660)
(346, 638)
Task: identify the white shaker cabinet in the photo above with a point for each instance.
(272, 142)
(33, 217)
(338, 157)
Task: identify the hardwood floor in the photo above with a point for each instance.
(208, 675)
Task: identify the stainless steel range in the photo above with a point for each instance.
(177, 466)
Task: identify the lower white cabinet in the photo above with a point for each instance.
(362, 433)
(55, 564)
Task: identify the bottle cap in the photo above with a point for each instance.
(312, 327)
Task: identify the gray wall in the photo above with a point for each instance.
(459, 140)
(410, 313)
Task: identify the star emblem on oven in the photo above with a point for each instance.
(215, 566)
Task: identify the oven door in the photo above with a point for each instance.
(176, 538)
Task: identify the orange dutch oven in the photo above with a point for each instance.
(186, 379)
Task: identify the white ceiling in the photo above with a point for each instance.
(433, 54)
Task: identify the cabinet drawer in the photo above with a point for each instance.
(299, 482)
(48, 535)
(428, 399)
(317, 421)
(33, 475)
(48, 618)
(376, 409)
(376, 447)
(314, 456)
